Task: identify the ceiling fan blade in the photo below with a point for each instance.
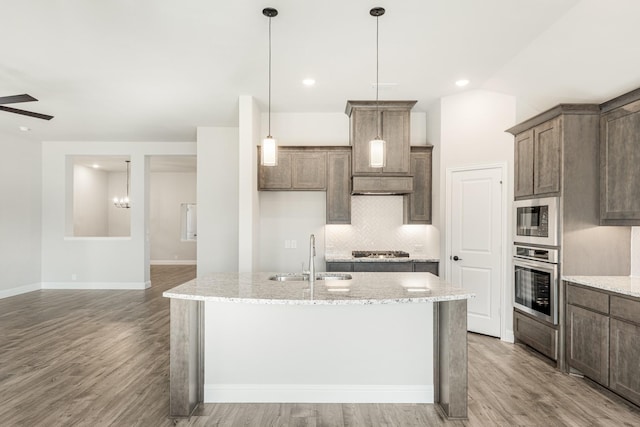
(26, 113)
(16, 98)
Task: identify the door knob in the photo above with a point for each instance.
(455, 258)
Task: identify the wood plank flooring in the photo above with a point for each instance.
(101, 358)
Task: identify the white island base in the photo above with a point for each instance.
(243, 347)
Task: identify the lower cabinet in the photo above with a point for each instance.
(417, 266)
(588, 343)
(604, 346)
(624, 358)
(536, 334)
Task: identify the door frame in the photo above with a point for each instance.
(506, 306)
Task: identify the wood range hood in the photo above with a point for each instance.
(391, 121)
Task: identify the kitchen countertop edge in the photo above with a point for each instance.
(365, 259)
(623, 285)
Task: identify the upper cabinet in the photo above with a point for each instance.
(417, 205)
(537, 160)
(391, 121)
(298, 169)
(620, 161)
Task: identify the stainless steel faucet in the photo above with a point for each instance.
(312, 256)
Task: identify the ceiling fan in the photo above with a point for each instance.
(21, 98)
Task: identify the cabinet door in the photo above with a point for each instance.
(523, 186)
(339, 188)
(382, 266)
(536, 334)
(276, 177)
(364, 128)
(625, 360)
(417, 205)
(395, 131)
(588, 343)
(619, 170)
(309, 170)
(547, 153)
(426, 267)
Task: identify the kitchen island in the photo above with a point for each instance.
(376, 337)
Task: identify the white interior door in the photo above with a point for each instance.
(476, 223)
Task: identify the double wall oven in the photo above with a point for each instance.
(535, 258)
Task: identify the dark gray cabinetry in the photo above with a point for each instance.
(297, 169)
(603, 338)
(625, 359)
(393, 117)
(339, 187)
(417, 266)
(537, 160)
(417, 205)
(535, 334)
(587, 337)
(619, 160)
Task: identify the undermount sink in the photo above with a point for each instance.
(304, 278)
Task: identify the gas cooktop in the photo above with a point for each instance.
(379, 254)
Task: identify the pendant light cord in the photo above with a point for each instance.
(269, 78)
(377, 78)
(128, 166)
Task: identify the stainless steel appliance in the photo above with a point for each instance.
(536, 221)
(536, 281)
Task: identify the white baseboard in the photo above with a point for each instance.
(97, 285)
(317, 393)
(6, 293)
(509, 337)
(173, 262)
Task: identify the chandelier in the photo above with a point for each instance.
(123, 202)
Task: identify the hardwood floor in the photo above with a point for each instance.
(100, 358)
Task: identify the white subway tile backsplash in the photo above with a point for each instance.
(376, 224)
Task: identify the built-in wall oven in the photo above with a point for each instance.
(536, 281)
(536, 221)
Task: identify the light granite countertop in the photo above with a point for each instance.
(624, 285)
(363, 289)
(349, 258)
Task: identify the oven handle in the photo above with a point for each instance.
(541, 265)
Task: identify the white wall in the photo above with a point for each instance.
(218, 200)
(90, 201)
(168, 191)
(291, 216)
(635, 251)
(472, 133)
(95, 262)
(20, 211)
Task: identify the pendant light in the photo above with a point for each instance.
(377, 149)
(269, 150)
(123, 202)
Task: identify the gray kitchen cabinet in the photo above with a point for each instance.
(417, 205)
(417, 266)
(523, 186)
(537, 160)
(624, 357)
(339, 187)
(587, 338)
(393, 119)
(382, 266)
(619, 160)
(540, 336)
(276, 177)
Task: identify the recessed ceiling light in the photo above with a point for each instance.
(24, 128)
(462, 82)
(308, 82)
(95, 166)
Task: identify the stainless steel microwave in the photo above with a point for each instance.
(536, 221)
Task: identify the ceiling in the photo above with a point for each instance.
(154, 70)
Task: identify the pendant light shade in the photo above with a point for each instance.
(123, 202)
(377, 146)
(269, 148)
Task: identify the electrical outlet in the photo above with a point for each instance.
(418, 248)
(74, 277)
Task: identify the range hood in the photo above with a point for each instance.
(379, 185)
